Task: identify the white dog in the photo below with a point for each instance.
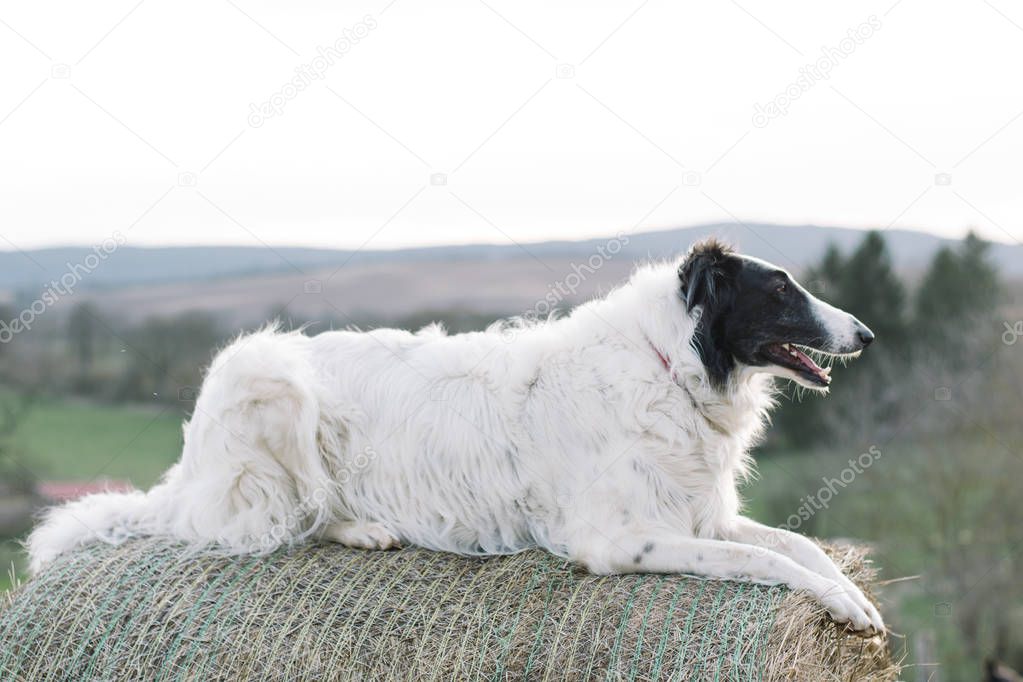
(614, 437)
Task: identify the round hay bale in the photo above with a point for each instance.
(146, 610)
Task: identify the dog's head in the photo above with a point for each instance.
(754, 314)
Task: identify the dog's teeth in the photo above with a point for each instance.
(826, 371)
(785, 346)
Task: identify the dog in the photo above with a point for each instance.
(614, 437)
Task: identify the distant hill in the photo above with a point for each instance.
(794, 247)
(244, 284)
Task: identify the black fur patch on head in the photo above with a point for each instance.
(707, 277)
(702, 270)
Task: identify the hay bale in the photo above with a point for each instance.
(146, 611)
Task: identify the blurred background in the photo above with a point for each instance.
(174, 174)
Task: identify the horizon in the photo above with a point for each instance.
(426, 246)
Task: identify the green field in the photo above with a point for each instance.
(934, 515)
(82, 441)
(77, 440)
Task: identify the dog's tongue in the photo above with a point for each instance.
(805, 360)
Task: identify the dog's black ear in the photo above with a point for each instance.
(707, 276)
(702, 271)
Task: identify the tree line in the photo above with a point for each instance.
(933, 336)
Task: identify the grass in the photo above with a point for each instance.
(933, 509)
(11, 559)
(84, 441)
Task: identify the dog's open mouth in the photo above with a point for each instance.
(789, 356)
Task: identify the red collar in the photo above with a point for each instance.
(661, 356)
(665, 361)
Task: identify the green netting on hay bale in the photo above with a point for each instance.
(145, 610)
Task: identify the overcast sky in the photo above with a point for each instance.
(401, 123)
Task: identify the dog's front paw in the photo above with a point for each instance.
(363, 535)
(857, 595)
(845, 608)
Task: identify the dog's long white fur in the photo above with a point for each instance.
(568, 434)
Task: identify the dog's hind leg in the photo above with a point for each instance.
(361, 534)
(256, 467)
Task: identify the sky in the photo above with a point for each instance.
(396, 123)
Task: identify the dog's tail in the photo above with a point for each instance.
(109, 517)
(254, 472)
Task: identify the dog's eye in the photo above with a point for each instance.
(782, 288)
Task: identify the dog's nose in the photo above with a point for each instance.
(864, 334)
